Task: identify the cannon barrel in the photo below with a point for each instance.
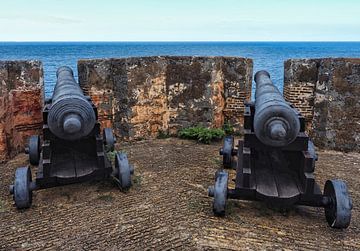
(275, 122)
(71, 116)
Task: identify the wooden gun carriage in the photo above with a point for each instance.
(73, 149)
(275, 161)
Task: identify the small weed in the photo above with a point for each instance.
(137, 179)
(111, 156)
(228, 128)
(162, 135)
(201, 134)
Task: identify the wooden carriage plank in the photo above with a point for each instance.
(265, 182)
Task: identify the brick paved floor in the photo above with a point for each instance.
(168, 208)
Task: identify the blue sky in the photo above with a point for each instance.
(183, 20)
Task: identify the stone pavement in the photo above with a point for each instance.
(168, 208)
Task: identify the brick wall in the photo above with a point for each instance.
(142, 96)
(327, 92)
(234, 96)
(21, 100)
(300, 77)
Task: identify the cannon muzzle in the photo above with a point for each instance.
(275, 122)
(71, 115)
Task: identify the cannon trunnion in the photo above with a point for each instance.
(73, 148)
(275, 161)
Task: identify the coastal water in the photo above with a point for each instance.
(266, 55)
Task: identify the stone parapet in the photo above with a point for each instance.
(21, 101)
(141, 97)
(327, 92)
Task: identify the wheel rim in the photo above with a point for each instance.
(338, 212)
(123, 168)
(109, 139)
(330, 211)
(220, 193)
(227, 151)
(34, 150)
(22, 192)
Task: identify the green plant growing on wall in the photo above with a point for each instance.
(201, 134)
(228, 128)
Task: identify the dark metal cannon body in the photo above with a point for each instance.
(71, 115)
(275, 122)
(275, 161)
(72, 148)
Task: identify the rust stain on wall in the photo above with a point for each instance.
(21, 102)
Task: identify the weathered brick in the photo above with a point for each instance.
(21, 101)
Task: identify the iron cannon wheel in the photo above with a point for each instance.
(123, 170)
(34, 150)
(22, 192)
(227, 151)
(109, 139)
(220, 193)
(338, 212)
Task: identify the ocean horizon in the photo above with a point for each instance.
(268, 56)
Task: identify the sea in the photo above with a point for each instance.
(268, 56)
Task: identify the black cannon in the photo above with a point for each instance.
(275, 161)
(72, 149)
